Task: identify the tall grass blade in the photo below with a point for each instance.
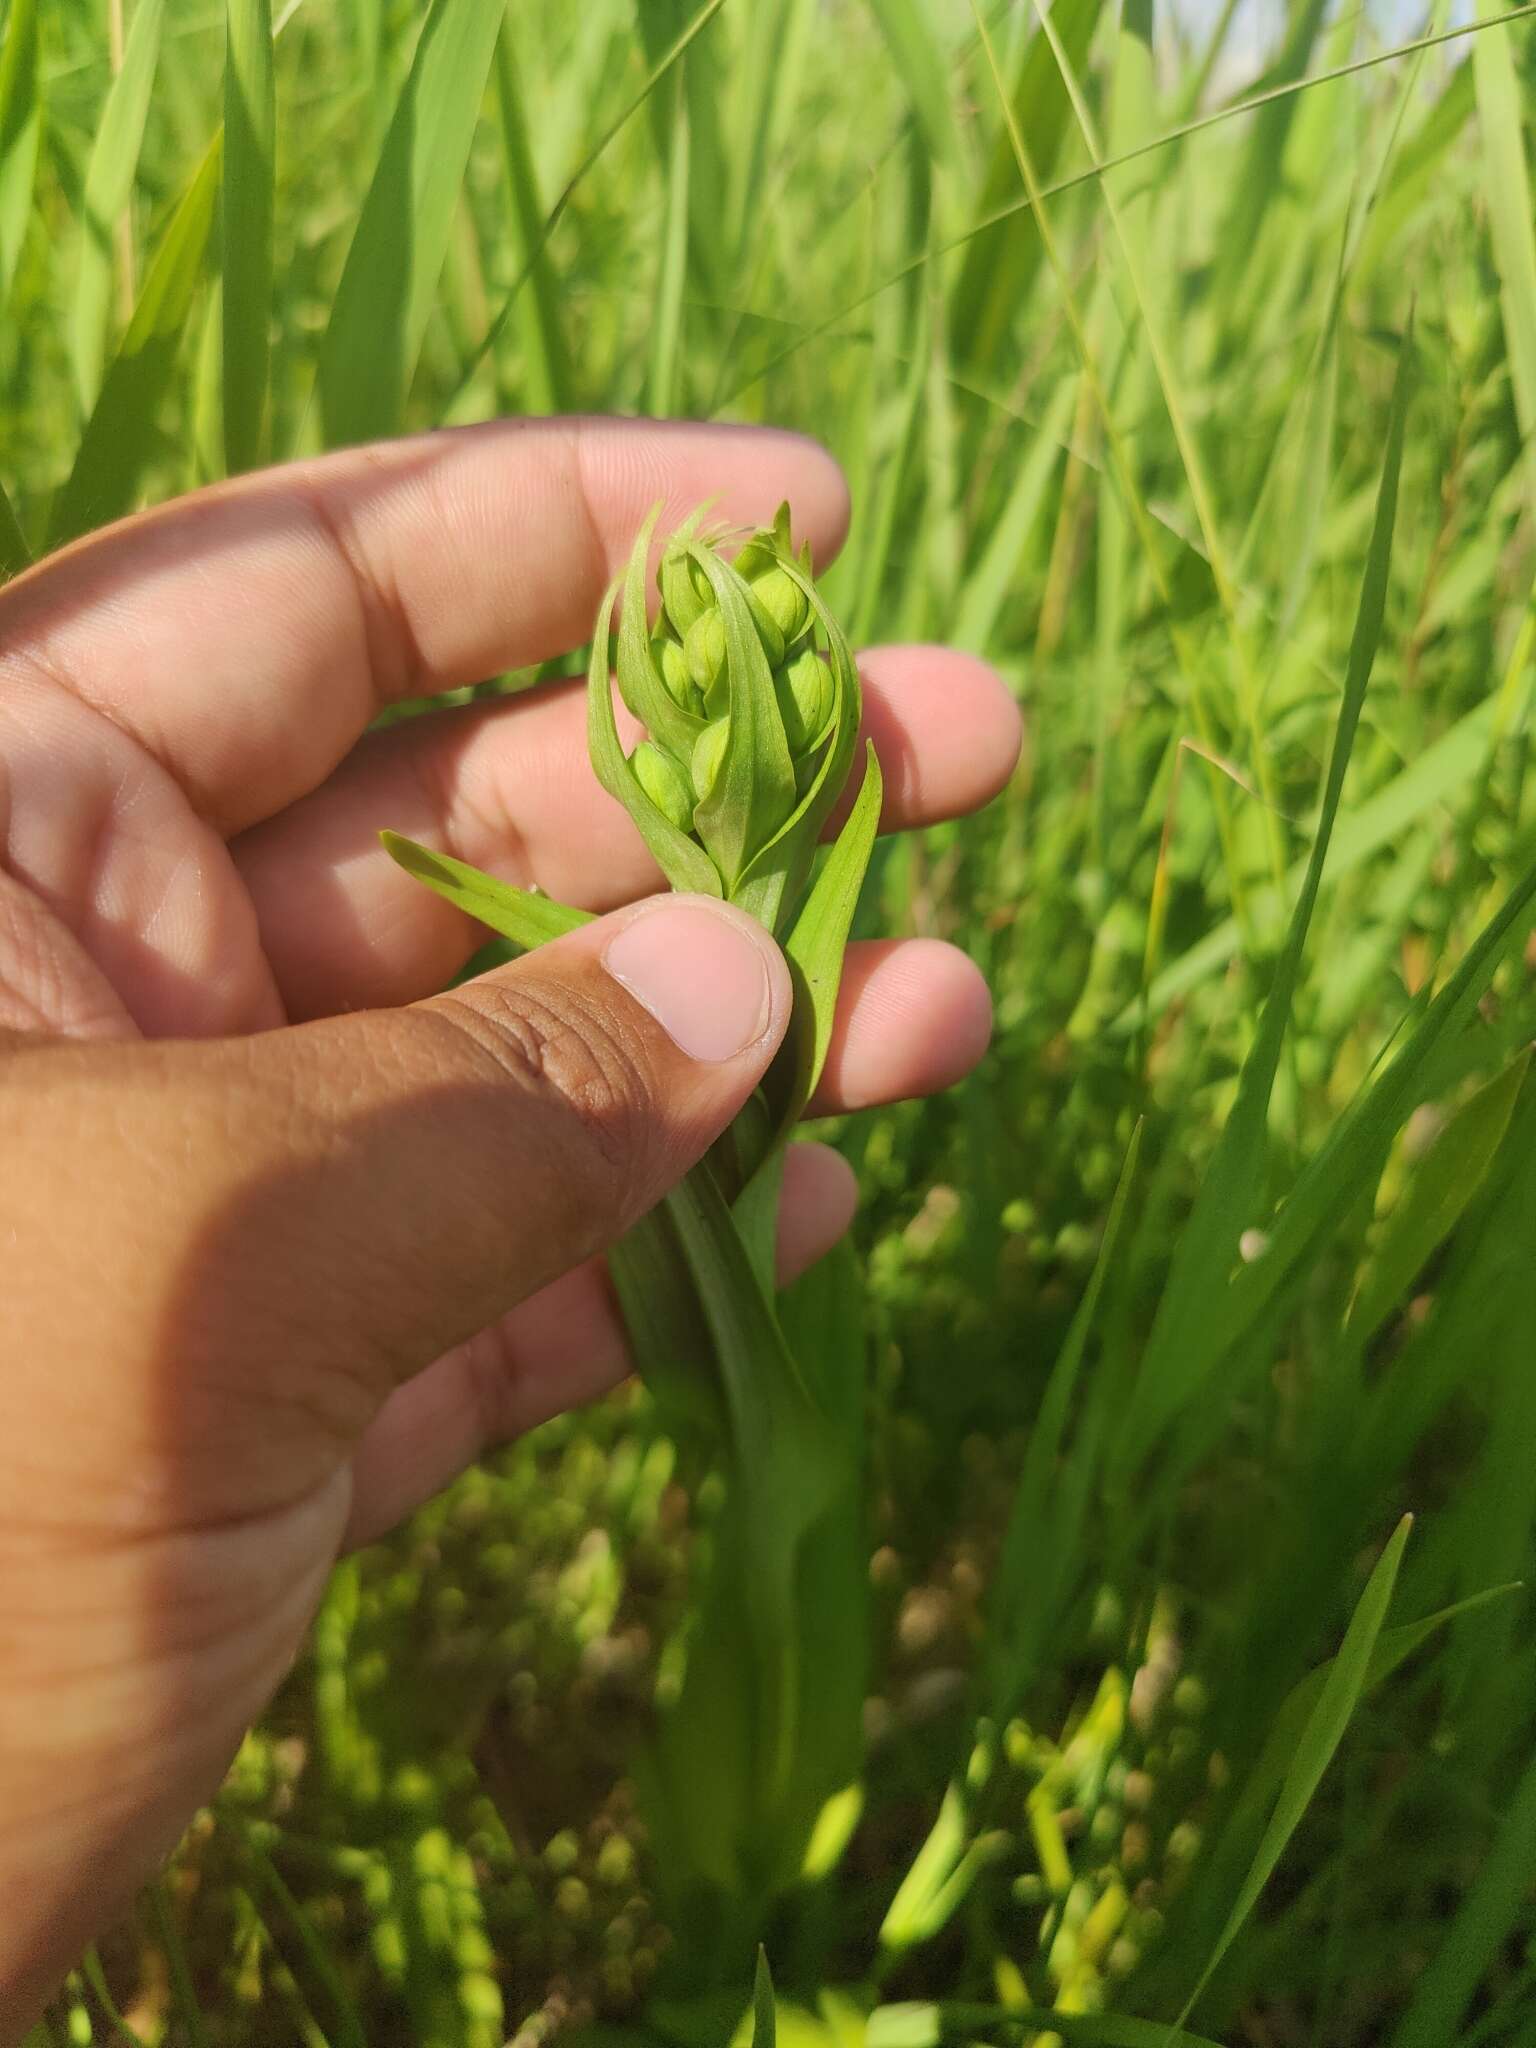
(547, 375)
(1260, 180)
(109, 180)
(1003, 256)
(21, 127)
(121, 434)
(250, 171)
(1497, 1904)
(1040, 1542)
(765, 2032)
(349, 2031)
(1186, 1338)
(662, 378)
(1316, 1744)
(986, 589)
(673, 55)
(921, 66)
(391, 276)
(1508, 187)
(15, 555)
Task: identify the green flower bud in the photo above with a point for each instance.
(807, 697)
(685, 589)
(783, 600)
(708, 757)
(664, 783)
(754, 560)
(768, 628)
(704, 650)
(669, 658)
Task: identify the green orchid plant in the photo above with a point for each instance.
(749, 697)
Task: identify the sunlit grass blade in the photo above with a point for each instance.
(662, 386)
(920, 64)
(1259, 181)
(1446, 765)
(15, 555)
(1315, 1745)
(673, 55)
(547, 365)
(121, 434)
(988, 586)
(1002, 260)
(391, 276)
(1508, 188)
(109, 180)
(250, 143)
(1186, 1339)
(21, 122)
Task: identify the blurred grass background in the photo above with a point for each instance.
(1104, 313)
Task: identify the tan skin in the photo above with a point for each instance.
(287, 1239)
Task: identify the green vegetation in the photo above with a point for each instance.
(1169, 1727)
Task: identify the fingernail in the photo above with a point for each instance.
(702, 977)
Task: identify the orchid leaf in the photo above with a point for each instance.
(528, 920)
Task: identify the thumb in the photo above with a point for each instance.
(306, 1217)
(462, 1153)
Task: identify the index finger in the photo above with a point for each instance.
(247, 634)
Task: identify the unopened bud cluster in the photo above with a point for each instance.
(690, 654)
(750, 702)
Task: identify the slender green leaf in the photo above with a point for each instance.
(662, 376)
(350, 2032)
(109, 180)
(921, 67)
(1003, 256)
(785, 1465)
(1186, 1339)
(764, 2018)
(96, 1977)
(15, 555)
(390, 281)
(547, 372)
(21, 127)
(1443, 1182)
(1497, 1904)
(1508, 186)
(250, 144)
(121, 435)
(988, 586)
(526, 919)
(1348, 1676)
(1027, 1589)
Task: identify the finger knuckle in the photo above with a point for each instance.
(579, 1072)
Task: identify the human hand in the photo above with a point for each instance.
(285, 1239)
